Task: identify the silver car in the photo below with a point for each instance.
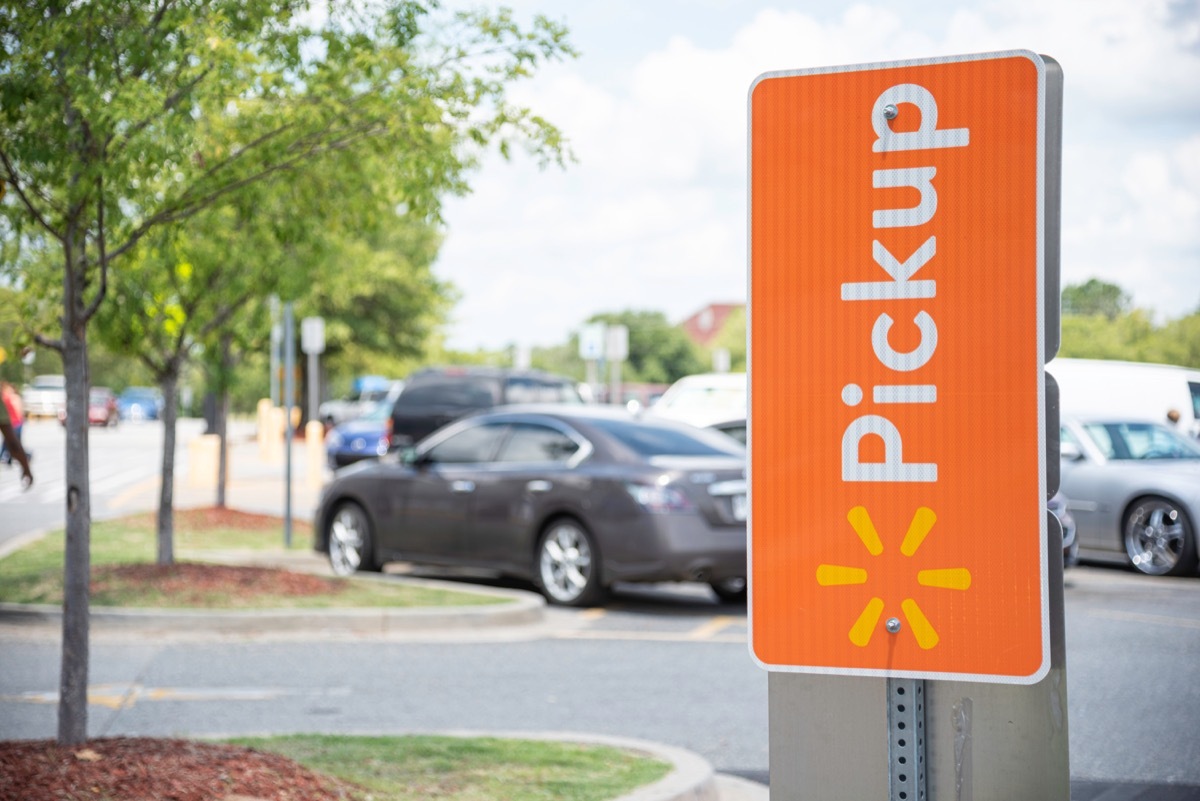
(1134, 491)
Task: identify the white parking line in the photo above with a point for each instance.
(1139, 617)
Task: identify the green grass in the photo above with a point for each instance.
(414, 768)
(34, 574)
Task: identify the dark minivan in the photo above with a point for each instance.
(435, 396)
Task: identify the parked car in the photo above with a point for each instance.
(365, 392)
(45, 397)
(703, 399)
(732, 428)
(1134, 491)
(364, 437)
(102, 408)
(574, 498)
(140, 403)
(435, 396)
(1070, 542)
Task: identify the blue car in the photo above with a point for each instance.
(139, 403)
(365, 437)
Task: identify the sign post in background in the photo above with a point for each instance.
(901, 261)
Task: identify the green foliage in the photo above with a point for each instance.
(1109, 329)
(732, 338)
(1095, 298)
(421, 767)
(659, 353)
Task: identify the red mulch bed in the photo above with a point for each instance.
(188, 582)
(148, 769)
(151, 769)
(215, 517)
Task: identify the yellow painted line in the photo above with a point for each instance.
(592, 614)
(648, 636)
(707, 630)
(130, 493)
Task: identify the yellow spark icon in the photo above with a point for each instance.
(954, 578)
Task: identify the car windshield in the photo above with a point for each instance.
(648, 440)
(377, 413)
(99, 396)
(699, 397)
(1141, 441)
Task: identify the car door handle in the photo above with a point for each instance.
(462, 486)
(539, 485)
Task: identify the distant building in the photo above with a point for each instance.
(705, 325)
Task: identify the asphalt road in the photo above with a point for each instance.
(124, 463)
(663, 664)
(667, 663)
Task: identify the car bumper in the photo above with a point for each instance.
(674, 548)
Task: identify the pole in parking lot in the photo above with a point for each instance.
(276, 340)
(289, 393)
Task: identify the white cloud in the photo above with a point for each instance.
(653, 215)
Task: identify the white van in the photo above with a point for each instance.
(1128, 389)
(704, 399)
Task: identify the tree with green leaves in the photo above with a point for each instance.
(659, 353)
(1095, 298)
(120, 118)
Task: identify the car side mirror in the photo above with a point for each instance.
(410, 457)
(1069, 452)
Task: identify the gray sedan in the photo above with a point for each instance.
(574, 498)
(1134, 491)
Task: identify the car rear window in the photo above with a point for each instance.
(520, 389)
(462, 392)
(647, 439)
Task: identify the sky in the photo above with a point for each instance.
(652, 215)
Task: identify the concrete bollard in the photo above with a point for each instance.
(314, 444)
(203, 457)
(274, 443)
(263, 430)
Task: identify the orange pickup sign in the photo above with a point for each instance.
(897, 423)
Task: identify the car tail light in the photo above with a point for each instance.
(660, 499)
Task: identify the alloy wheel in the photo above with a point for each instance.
(1157, 537)
(348, 538)
(565, 564)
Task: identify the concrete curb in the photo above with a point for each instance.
(520, 609)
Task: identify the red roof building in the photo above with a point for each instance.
(704, 326)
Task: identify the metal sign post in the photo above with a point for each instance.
(289, 396)
(312, 342)
(905, 576)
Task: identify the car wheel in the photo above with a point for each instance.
(349, 539)
(730, 590)
(568, 565)
(1159, 539)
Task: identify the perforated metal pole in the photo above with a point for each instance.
(906, 739)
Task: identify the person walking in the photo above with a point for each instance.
(13, 443)
(16, 417)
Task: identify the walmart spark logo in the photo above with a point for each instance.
(955, 578)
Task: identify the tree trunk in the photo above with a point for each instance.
(169, 382)
(77, 568)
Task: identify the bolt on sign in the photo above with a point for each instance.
(897, 458)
